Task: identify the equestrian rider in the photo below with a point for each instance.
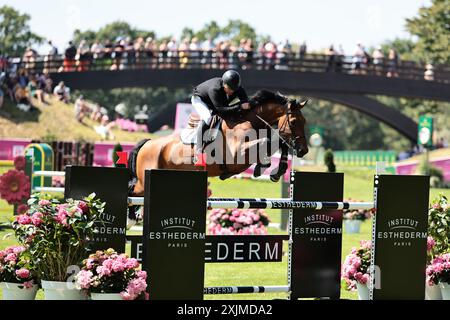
(222, 96)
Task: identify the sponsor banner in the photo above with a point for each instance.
(231, 248)
(317, 237)
(111, 186)
(103, 153)
(174, 233)
(400, 236)
(11, 148)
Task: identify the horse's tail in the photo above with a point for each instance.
(132, 159)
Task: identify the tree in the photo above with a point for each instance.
(111, 32)
(432, 29)
(15, 33)
(237, 30)
(211, 30)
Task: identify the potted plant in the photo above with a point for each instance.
(107, 275)
(353, 219)
(438, 240)
(238, 222)
(58, 236)
(438, 273)
(17, 277)
(355, 270)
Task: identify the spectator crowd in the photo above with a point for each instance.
(127, 53)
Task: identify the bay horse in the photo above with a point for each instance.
(269, 111)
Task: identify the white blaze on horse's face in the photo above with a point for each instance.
(292, 127)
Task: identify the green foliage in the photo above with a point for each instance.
(15, 33)
(347, 129)
(404, 48)
(328, 159)
(111, 32)
(431, 27)
(436, 175)
(439, 225)
(58, 235)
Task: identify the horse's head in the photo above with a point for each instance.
(292, 126)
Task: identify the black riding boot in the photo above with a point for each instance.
(200, 157)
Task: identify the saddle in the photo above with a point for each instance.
(189, 134)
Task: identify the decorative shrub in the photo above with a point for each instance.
(57, 235)
(16, 267)
(110, 272)
(439, 270)
(237, 221)
(356, 265)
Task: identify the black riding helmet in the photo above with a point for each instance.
(232, 79)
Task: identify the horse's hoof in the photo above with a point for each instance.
(274, 178)
(226, 176)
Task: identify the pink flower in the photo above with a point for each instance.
(83, 206)
(28, 284)
(84, 279)
(23, 273)
(142, 274)
(44, 202)
(17, 249)
(36, 218)
(118, 266)
(430, 243)
(103, 271)
(90, 263)
(23, 219)
(126, 296)
(131, 263)
(62, 217)
(11, 257)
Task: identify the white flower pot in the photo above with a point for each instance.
(432, 292)
(363, 291)
(352, 226)
(57, 290)
(106, 296)
(17, 291)
(445, 290)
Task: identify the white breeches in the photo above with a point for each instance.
(201, 108)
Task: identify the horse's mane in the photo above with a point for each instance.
(264, 96)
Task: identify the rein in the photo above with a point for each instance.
(267, 124)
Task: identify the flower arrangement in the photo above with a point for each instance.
(361, 215)
(439, 226)
(356, 265)
(16, 267)
(237, 222)
(57, 235)
(438, 271)
(110, 272)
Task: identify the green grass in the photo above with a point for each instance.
(357, 185)
(54, 120)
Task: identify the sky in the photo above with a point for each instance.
(318, 22)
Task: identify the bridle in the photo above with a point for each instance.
(290, 143)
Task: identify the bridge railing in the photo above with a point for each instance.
(238, 60)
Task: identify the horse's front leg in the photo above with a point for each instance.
(264, 153)
(277, 173)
